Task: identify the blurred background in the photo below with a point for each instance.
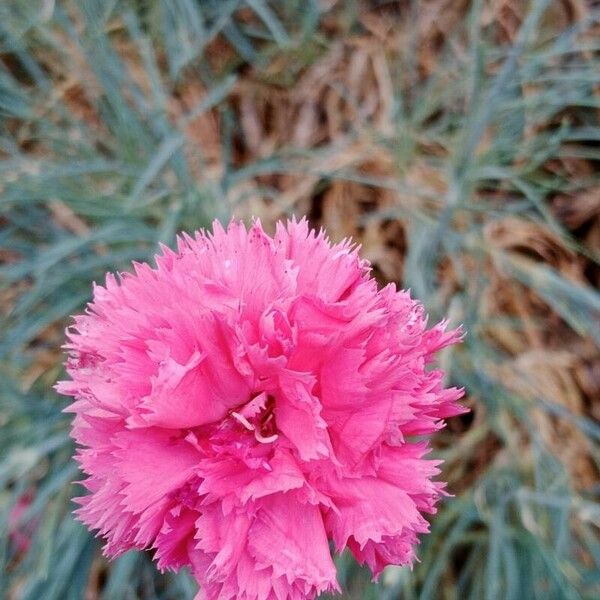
(458, 141)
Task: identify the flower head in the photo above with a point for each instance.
(248, 401)
(20, 533)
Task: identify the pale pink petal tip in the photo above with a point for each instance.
(250, 401)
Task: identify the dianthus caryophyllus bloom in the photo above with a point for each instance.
(20, 533)
(250, 400)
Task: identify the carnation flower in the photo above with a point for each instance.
(20, 533)
(251, 400)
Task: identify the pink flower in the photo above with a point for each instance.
(248, 401)
(21, 533)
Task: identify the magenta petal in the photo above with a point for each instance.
(369, 509)
(298, 417)
(152, 464)
(278, 539)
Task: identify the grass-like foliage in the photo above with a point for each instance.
(457, 144)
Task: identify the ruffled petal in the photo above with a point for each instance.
(278, 539)
(298, 417)
(369, 509)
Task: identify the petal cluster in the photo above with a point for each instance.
(250, 401)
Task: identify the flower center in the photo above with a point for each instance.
(258, 416)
